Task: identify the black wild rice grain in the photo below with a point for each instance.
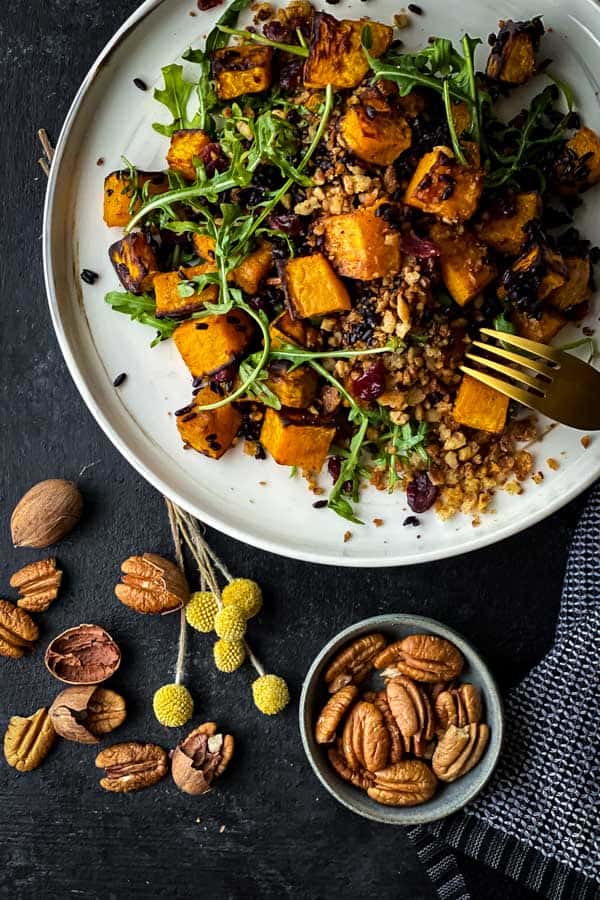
(211, 437)
(201, 326)
(413, 8)
(319, 504)
(184, 410)
(119, 379)
(141, 85)
(411, 520)
(89, 277)
(189, 417)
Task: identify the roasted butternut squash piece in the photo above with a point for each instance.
(295, 439)
(335, 52)
(168, 300)
(204, 245)
(479, 406)
(118, 193)
(209, 431)
(184, 148)
(312, 288)
(206, 345)
(411, 104)
(512, 57)
(464, 261)
(362, 245)
(296, 388)
(250, 272)
(245, 69)
(461, 117)
(444, 188)
(375, 135)
(505, 233)
(286, 330)
(135, 261)
(576, 288)
(579, 166)
(543, 329)
(537, 272)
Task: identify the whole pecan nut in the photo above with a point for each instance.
(353, 664)
(397, 746)
(201, 758)
(18, 631)
(38, 585)
(423, 657)
(407, 783)
(458, 706)
(333, 712)
(152, 584)
(131, 766)
(411, 709)
(83, 655)
(360, 778)
(28, 740)
(366, 740)
(85, 713)
(459, 750)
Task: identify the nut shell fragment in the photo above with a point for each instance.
(407, 783)
(28, 741)
(423, 657)
(83, 655)
(18, 631)
(201, 758)
(333, 712)
(46, 513)
(85, 713)
(151, 584)
(366, 740)
(354, 662)
(38, 585)
(131, 766)
(459, 750)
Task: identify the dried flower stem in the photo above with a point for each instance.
(171, 510)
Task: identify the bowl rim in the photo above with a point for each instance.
(413, 815)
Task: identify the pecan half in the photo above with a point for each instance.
(201, 758)
(406, 783)
(333, 712)
(459, 750)
(423, 657)
(396, 740)
(28, 741)
(366, 740)
(85, 654)
(131, 766)
(358, 777)
(353, 664)
(411, 709)
(38, 585)
(84, 714)
(152, 584)
(18, 631)
(458, 706)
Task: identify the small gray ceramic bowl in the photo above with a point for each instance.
(449, 797)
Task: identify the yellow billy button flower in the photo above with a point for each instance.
(229, 655)
(271, 694)
(230, 623)
(244, 593)
(173, 705)
(201, 611)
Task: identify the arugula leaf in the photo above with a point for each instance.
(142, 308)
(349, 471)
(217, 38)
(276, 141)
(175, 96)
(258, 389)
(399, 444)
(296, 49)
(502, 323)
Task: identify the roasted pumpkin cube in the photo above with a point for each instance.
(336, 56)
(204, 245)
(543, 329)
(411, 105)
(464, 261)
(539, 271)
(362, 245)
(461, 117)
(286, 330)
(506, 233)
(479, 406)
(209, 431)
(185, 147)
(579, 165)
(312, 288)
(296, 388)
(512, 57)
(250, 272)
(119, 190)
(296, 439)
(374, 135)
(168, 300)
(576, 288)
(207, 345)
(135, 261)
(443, 187)
(245, 69)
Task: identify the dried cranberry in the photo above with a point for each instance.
(203, 5)
(226, 373)
(371, 384)
(334, 467)
(290, 75)
(276, 31)
(289, 223)
(419, 247)
(421, 493)
(213, 158)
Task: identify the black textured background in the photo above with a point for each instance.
(268, 830)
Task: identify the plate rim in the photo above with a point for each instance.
(131, 455)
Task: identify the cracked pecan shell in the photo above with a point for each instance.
(365, 739)
(28, 740)
(354, 662)
(411, 709)
(131, 766)
(85, 713)
(38, 585)
(333, 712)
(459, 750)
(83, 655)
(458, 706)
(201, 758)
(407, 783)
(423, 657)
(151, 584)
(360, 778)
(18, 631)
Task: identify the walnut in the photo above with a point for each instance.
(458, 706)
(411, 709)
(360, 778)
(28, 741)
(201, 758)
(406, 783)
(85, 713)
(18, 631)
(423, 657)
(38, 585)
(366, 740)
(131, 766)
(152, 584)
(83, 655)
(333, 712)
(459, 750)
(353, 664)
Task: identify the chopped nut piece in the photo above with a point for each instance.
(553, 463)
(585, 441)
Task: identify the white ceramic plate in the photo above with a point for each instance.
(257, 502)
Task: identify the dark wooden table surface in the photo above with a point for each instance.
(268, 830)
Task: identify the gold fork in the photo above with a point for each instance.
(549, 380)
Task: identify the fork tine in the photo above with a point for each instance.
(504, 387)
(544, 350)
(537, 365)
(516, 374)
